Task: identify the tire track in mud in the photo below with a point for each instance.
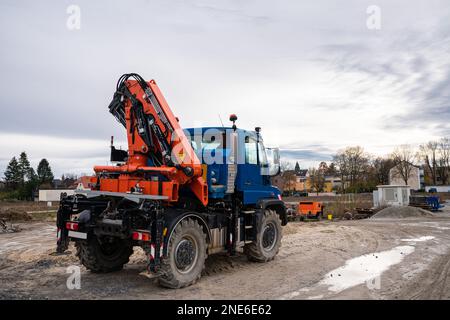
(433, 282)
(308, 252)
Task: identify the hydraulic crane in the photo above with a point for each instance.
(157, 145)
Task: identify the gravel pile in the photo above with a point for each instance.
(402, 212)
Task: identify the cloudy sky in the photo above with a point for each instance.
(310, 73)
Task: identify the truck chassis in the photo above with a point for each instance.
(106, 226)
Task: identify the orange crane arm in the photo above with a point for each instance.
(154, 136)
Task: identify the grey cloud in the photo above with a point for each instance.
(305, 155)
(239, 15)
(413, 77)
(208, 55)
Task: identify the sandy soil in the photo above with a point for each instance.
(414, 255)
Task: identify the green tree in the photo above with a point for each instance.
(12, 174)
(25, 168)
(31, 185)
(44, 172)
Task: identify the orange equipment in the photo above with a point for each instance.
(151, 126)
(310, 209)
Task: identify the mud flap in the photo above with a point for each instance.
(155, 249)
(62, 242)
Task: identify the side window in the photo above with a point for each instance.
(250, 151)
(262, 154)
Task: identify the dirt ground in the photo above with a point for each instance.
(410, 256)
(27, 211)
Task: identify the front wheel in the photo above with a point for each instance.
(268, 239)
(186, 256)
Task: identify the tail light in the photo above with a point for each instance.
(72, 226)
(141, 236)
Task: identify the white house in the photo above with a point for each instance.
(53, 195)
(414, 181)
(391, 195)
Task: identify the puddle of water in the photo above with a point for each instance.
(421, 239)
(364, 268)
(436, 225)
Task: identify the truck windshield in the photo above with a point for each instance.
(200, 143)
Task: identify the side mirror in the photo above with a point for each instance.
(273, 159)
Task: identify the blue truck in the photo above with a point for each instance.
(179, 212)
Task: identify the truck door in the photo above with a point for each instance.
(252, 174)
(250, 180)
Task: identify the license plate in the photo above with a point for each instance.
(78, 235)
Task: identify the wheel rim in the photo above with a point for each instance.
(186, 254)
(110, 249)
(269, 236)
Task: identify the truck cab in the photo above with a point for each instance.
(236, 161)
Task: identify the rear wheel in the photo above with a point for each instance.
(268, 239)
(186, 256)
(104, 254)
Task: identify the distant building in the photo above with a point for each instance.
(332, 183)
(82, 183)
(391, 195)
(53, 195)
(442, 176)
(415, 181)
(300, 181)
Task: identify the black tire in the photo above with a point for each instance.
(268, 239)
(186, 255)
(107, 255)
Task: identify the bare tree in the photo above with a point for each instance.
(317, 179)
(428, 153)
(340, 161)
(289, 180)
(403, 157)
(286, 165)
(331, 171)
(381, 168)
(444, 159)
(352, 163)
